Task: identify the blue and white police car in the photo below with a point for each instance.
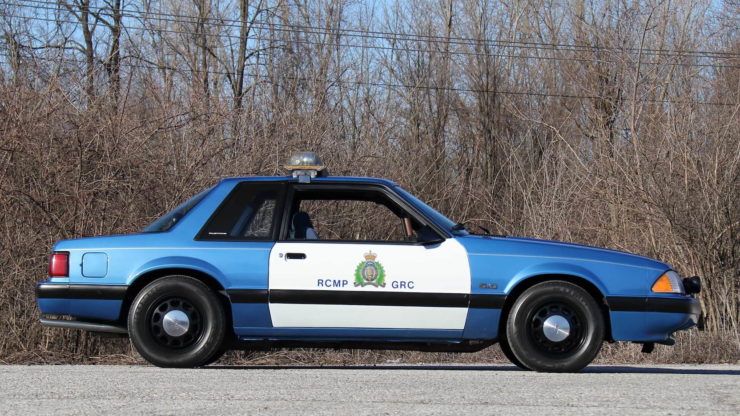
(312, 260)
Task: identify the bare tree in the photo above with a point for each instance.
(605, 122)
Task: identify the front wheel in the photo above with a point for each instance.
(509, 354)
(177, 321)
(555, 326)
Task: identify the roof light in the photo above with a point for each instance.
(305, 166)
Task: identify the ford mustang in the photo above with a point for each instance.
(313, 260)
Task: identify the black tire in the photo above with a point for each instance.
(557, 349)
(204, 330)
(506, 348)
(217, 356)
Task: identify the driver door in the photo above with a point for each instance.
(361, 266)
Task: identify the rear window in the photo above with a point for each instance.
(168, 220)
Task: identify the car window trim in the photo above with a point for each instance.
(200, 195)
(276, 221)
(343, 186)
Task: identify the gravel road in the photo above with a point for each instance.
(359, 390)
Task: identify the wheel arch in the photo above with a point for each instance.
(141, 281)
(583, 283)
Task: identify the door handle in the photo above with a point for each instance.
(295, 256)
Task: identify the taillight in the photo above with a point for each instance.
(59, 264)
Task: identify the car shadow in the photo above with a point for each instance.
(659, 370)
(597, 369)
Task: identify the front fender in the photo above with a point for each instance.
(179, 262)
(555, 268)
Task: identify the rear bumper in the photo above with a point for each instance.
(651, 319)
(46, 290)
(94, 302)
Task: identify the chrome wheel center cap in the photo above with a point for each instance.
(175, 323)
(556, 328)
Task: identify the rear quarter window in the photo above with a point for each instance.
(168, 220)
(250, 212)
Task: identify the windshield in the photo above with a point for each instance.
(167, 221)
(431, 213)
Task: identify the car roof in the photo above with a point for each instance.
(325, 179)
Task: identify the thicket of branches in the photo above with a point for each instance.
(606, 122)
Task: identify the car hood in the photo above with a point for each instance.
(530, 247)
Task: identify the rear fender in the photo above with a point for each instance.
(180, 262)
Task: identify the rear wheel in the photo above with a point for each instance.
(177, 321)
(555, 326)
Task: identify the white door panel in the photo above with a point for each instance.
(369, 268)
(441, 269)
(367, 316)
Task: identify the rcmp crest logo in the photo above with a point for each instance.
(370, 272)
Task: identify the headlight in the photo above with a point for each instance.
(668, 282)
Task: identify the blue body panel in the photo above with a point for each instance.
(54, 306)
(482, 323)
(95, 309)
(497, 266)
(233, 264)
(250, 315)
(648, 326)
(507, 262)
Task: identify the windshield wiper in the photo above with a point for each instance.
(484, 229)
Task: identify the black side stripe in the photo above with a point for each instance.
(653, 304)
(248, 295)
(487, 301)
(340, 297)
(627, 303)
(66, 291)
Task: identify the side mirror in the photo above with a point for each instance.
(426, 236)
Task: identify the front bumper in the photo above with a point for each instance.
(651, 318)
(673, 304)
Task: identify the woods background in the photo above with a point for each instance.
(606, 122)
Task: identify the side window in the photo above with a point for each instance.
(349, 216)
(248, 213)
